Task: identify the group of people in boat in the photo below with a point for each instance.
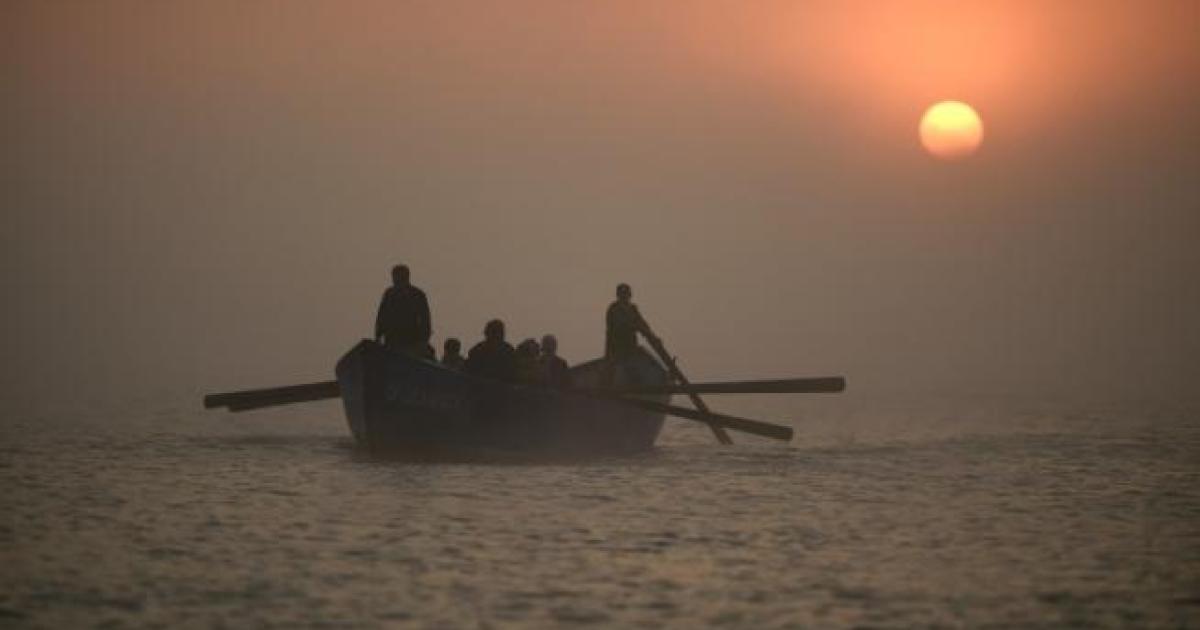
(404, 324)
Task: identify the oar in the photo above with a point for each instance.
(677, 374)
(258, 398)
(825, 384)
(271, 396)
(711, 418)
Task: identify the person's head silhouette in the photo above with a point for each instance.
(451, 347)
(624, 293)
(400, 275)
(494, 330)
(528, 348)
(549, 345)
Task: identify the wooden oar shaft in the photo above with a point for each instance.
(272, 396)
(255, 398)
(677, 375)
(828, 384)
(268, 397)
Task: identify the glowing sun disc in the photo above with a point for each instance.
(951, 130)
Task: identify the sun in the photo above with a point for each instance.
(951, 130)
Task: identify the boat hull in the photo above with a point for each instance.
(399, 404)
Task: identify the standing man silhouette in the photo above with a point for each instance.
(622, 323)
(403, 322)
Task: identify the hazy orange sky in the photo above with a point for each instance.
(210, 194)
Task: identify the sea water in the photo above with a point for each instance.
(881, 513)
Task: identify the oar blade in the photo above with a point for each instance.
(745, 425)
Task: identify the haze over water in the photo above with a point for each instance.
(209, 197)
(214, 195)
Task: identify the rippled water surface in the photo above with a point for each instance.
(965, 513)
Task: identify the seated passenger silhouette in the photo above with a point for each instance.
(528, 370)
(555, 371)
(493, 357)
(403, 321)
(452, 355)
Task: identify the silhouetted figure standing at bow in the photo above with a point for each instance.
(403, 322)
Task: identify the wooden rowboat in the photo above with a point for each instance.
(397, 403)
